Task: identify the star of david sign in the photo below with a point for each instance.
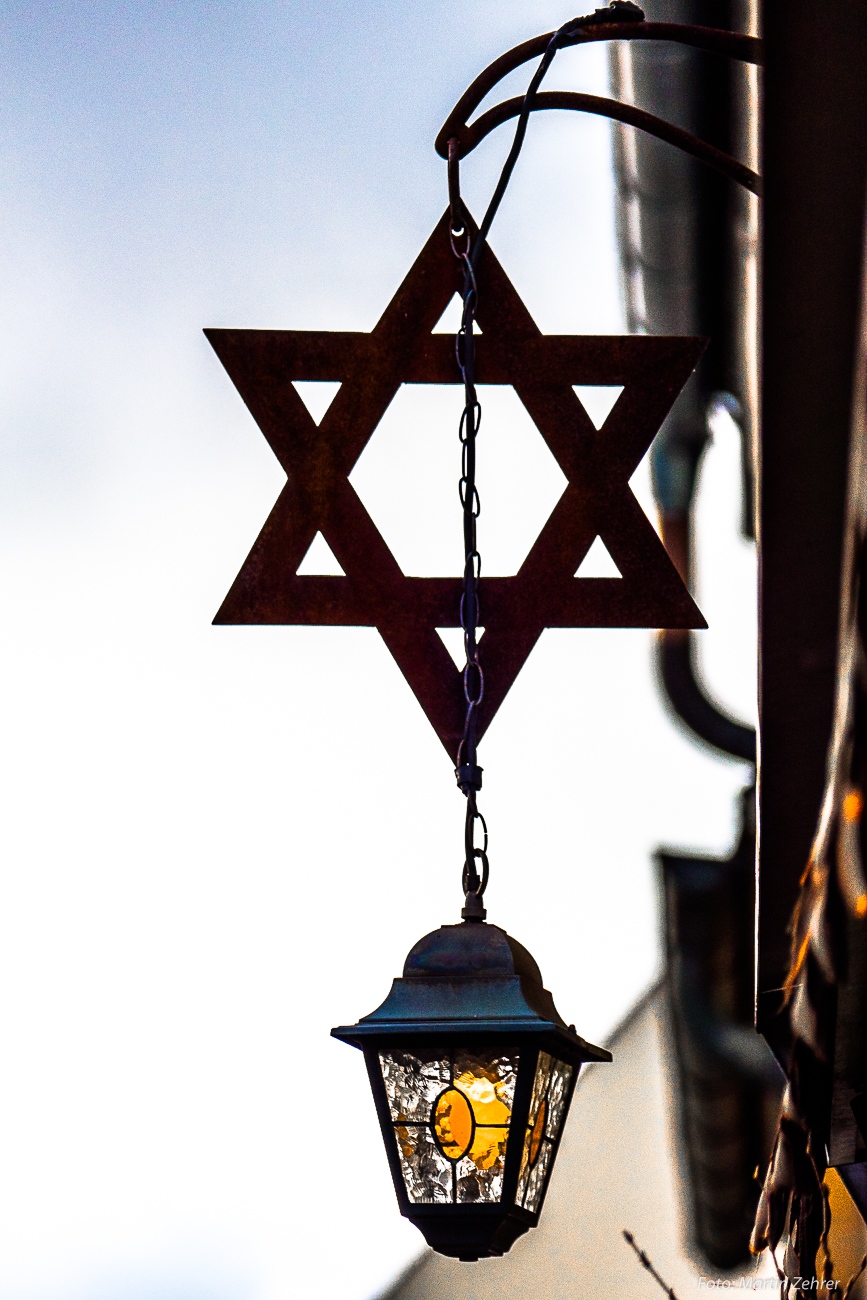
(318, 496)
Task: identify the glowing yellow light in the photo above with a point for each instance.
(463, 1117)
(861, 905)
(488, 1146)
(485, 1094)
(853, 806)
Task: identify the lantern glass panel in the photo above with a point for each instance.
(451, 1112)
(547, 1109)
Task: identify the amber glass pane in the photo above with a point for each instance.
(537, 1132)
(453, 1123)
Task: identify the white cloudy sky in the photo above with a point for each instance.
(219, 842)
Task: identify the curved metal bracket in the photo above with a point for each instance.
(676, 661)
(469, 136)
(747, 49)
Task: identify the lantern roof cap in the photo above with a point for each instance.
(465, 980)
(471, 950)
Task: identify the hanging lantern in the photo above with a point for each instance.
(472, 1071)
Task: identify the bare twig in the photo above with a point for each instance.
(645, 1263)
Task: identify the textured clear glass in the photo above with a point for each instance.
(536, 1181)
(413, 1081)
(540, 1084)
(477, 1182)
(558, 1090)
(451, 1114)
(427, 1173)
(547, 1111)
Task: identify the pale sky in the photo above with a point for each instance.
(219, 842)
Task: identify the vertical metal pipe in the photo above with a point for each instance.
(815, 167)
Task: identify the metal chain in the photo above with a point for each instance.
(468, 251)
(467, 771)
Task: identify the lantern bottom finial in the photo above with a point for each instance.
(476, 1232)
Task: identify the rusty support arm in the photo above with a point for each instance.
(746, 48)
(470, 136)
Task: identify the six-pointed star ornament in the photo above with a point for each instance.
(318, 496)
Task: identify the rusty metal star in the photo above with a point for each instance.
(318, 496)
